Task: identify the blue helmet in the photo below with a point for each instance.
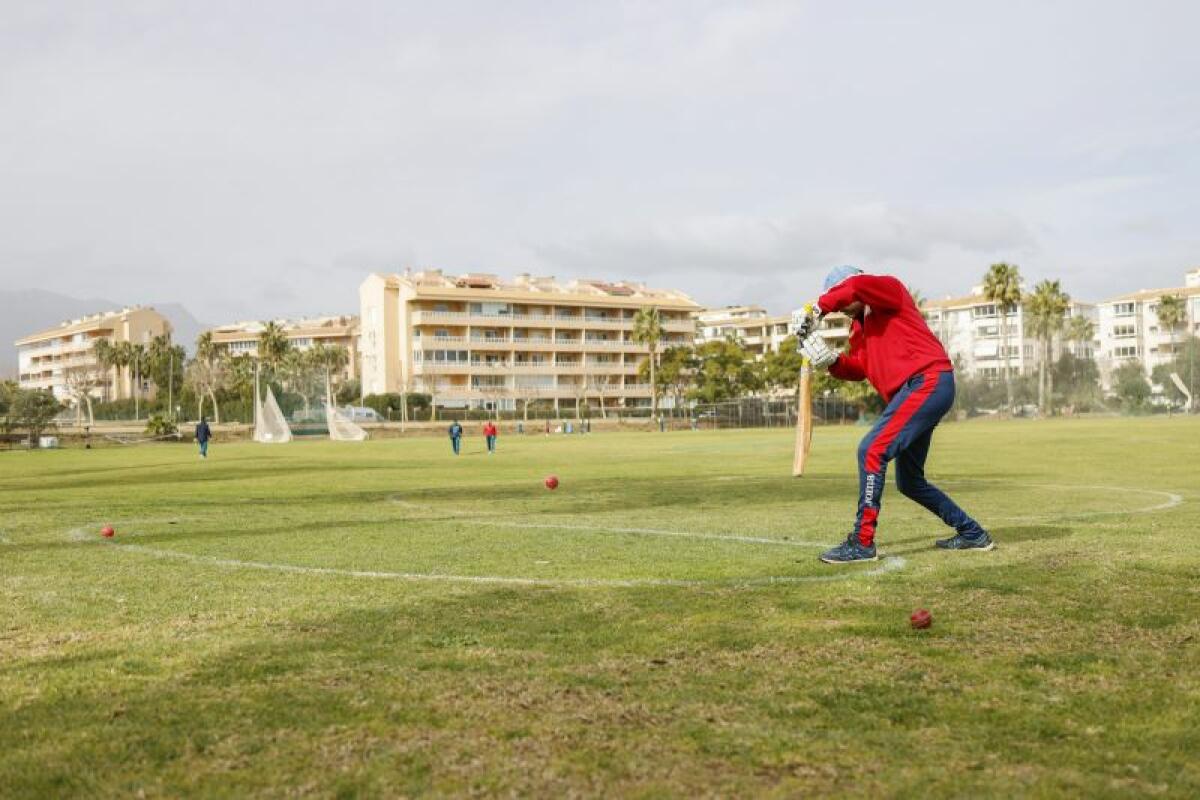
(839, 274)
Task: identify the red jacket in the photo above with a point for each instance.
(489, 429)
(890, 342)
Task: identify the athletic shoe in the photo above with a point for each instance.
(962, 541)
(849, 552)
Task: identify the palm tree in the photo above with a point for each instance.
(1080, 330)
(1171, 312)
(128, 356)
(1045, 308)
(648, 330)
(135, 358)
(1002, 286)
(273, 344)
(329, 359)
(106, 357)
(161, 358)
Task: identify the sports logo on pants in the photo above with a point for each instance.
(869, 491)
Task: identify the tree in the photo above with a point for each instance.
(273, 346)
(8, 391)
(106, 356)
(1171, 313)
(599, 386)
(208, 373)
(133, 357)
(1002, 286)
(1079, 330)
(329, 360)
(81, 381)
(1131, 386)
(1182, 364)
(1045, 310)
(676, 367)
(648, 330)
(114, 356)
(205, 377)
(34, 410)
(1078, 381)
(164, 366)
(723, 372)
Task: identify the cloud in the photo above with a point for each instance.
(870, 234)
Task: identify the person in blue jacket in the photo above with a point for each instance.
(203, 434)
(455, 436)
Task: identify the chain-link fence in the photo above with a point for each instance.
(761, 412)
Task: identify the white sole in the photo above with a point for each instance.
(856, 561)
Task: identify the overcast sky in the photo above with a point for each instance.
(258, 159)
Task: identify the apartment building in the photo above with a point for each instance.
(241, 338)
(757, 331)
(969, 328)
(54, 359)
(476, 340)
(760, 333)
(1129, 327)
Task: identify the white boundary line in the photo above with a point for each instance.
(1172, 499)
(889, 563)
(725, 537)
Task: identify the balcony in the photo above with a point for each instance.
(451, 393)
(578, 321)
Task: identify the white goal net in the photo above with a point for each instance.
(341, 429)
(271, 426)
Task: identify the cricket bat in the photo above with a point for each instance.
(804, 422)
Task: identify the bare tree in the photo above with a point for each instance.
(82, 380)
(599, 386)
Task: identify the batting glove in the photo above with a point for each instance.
(818, 353)
(805, 321)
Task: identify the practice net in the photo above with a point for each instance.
(341, 429)
(271, 426)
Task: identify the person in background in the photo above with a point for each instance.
(203, 434)
(456, 436)
(489, 433)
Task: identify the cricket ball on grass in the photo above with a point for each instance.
(921, 618)
(551, 482)
(107, 532)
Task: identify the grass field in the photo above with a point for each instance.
(385, 619)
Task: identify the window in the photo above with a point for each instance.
(1123, 309)
(1122, 331)
(1125, 352)
(983, 311)
(988, 330)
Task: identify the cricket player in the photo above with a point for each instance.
(893, 348)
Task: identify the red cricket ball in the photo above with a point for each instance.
(551, 481)
(107, 531)
(921, 618)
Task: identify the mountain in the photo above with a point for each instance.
(186, 326)
(26, 311)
